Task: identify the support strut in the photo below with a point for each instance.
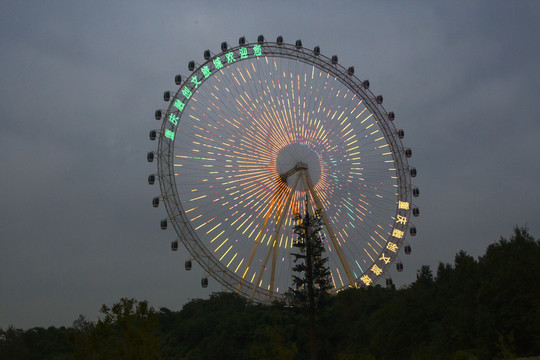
(330, 230)
(273, 240)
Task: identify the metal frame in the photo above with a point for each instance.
(166, 174)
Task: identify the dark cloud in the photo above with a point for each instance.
(80, 82)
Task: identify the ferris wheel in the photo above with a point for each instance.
(252, 132)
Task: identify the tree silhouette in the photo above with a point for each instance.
(312, 283)
(313, 280)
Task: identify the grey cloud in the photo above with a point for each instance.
(80, 82)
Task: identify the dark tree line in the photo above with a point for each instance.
(484, 308)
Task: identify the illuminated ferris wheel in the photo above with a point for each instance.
(251, 133)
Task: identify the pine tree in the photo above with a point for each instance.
(313, 275)
(312, 283)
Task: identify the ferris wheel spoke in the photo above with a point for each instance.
(276, 200)
(273, 240)
(329, 229)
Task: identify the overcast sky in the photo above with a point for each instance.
(80, 82)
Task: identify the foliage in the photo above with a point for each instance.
(36, 343)
(311, 272)
(312, 282)
(484, 308)
(128, 330)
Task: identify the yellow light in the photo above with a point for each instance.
(245, 271)
(391, 246)
(340, 279)
(403, 205)
(224, 241)
(401, 219)
(377, 270)
(238, 267)
(385, 258)
(209, 231)
(368, 254)
(232, 259)
(222, 256)
(200, 197)
(366, 280)
(217, 236)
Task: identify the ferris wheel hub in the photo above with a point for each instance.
(295, 157)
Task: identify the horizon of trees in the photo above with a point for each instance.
(483, 308)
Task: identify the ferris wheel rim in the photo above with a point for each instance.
(187, 235)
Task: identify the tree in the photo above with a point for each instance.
(485, 308)
(510, 291)
(424, 276)
(128, 330)
(313, 282)
(12, 345)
